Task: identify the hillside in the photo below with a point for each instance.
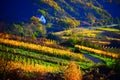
(59, 40)
(61, 14)
(88, 12)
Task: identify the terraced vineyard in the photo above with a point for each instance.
(96, 51)
(47, 56)
(32, 54)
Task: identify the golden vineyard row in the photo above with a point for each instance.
(26, 67)
(96, 51)
(40, 48)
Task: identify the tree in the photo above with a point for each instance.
(43, 12)
(49, 25)
(69, 23)
(18, 29)
(73, 39)
(32, 29)
(117, 21)
(35, 20)
(91, 17)
(33, 36)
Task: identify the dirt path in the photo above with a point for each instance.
(94, 59)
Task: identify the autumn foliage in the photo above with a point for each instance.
(52, 3)
(96, 51)
(51, 51)
(72, 72)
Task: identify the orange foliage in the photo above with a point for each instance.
(72, 72)
(26, 67)
(35, 20)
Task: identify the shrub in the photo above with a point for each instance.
(72, 72)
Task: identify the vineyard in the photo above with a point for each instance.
(100, 52)
(43, 57)
(59, 40)
(44, 49)
(32, 54)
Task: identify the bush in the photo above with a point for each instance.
(53, 37)
(72, 72)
